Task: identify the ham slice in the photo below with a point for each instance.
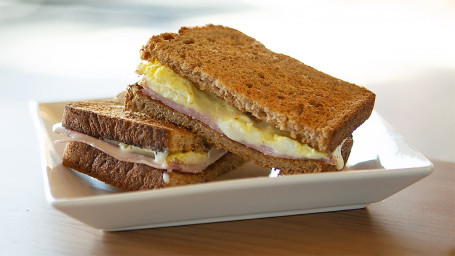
(207, 120)
(122, 155)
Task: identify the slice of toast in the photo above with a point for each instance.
(136, 101)
(133, 177)
(107, 119)
(315, 108)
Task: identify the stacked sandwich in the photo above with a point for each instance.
(228, 93)
(132, 152)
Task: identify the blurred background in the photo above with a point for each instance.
(401, 50)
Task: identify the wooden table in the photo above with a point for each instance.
(418, 220)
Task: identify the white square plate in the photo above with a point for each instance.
(381, 164)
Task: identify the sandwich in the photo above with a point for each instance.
(133, 152)
(268, 107)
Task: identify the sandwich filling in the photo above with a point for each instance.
(187, 162)
(161, 83)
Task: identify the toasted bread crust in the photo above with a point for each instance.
(316, 108)
(132, 177)
(107, 119)
(136, 101)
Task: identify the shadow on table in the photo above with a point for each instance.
(349, 232)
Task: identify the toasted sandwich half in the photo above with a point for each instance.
(134, 152)
(264, 106)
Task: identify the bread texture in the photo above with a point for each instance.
(315, 108)
(133, 177)
(136, 101)
(107, 119)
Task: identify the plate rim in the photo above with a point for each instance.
(229, 185)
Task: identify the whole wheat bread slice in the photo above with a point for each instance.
(317, 109)
(107, 119)
(136, 101)
(131, 176)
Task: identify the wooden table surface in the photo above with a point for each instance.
(419, 220)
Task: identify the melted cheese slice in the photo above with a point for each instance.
(220, 116)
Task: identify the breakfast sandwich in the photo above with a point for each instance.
(268, 107)
(132, 152)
